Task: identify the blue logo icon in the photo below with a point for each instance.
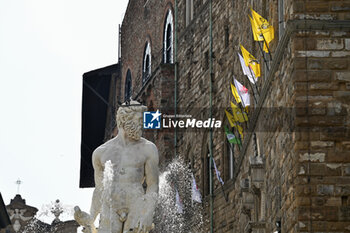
(151, 120)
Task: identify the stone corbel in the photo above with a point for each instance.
(257, 170)
(247, 197)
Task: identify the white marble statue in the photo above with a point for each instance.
(121, 166)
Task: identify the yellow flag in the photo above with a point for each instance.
(257, 36)
(235, 94)
(263, 27)
(232, 122)
(238, 115)
(251, 61)
(230, 118)
(239, 129)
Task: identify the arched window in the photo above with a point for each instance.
(128, 86)
(146, 63)
(168, 43)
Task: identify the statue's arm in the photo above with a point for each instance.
(152, 170)
(98, 176)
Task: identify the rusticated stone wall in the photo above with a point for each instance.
(301, 120)
(297, 172)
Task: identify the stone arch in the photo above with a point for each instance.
(147, 62)
(128, 86)
(168, 37)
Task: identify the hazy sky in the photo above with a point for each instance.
(45, 47)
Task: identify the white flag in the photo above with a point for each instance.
(217, 173)
(243, 93)
(247, 71)
(196, 195)
(179, 204)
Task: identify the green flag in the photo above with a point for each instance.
(231, 137)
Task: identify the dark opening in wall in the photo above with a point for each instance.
(227, 36)
(206, 60)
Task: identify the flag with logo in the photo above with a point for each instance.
(231, 137)
(230, 118)
(238, 114)
(247, 71)
(217, 173)
(251, 61)
(196, 195)
(179, 205)
(234, 124)
(243, 93)
(262, 28)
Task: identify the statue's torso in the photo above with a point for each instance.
(128, 170)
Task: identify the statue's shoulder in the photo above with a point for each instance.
(147, 143)
(150, 147)
(99, 150)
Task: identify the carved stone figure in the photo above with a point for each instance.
(121, 166)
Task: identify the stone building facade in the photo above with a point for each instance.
(147, 61)
(292, 173)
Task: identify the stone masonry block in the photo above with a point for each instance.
(319, 76)
(320, 6)
(343, 76)
(330, 44)
(325, 189)
(340, 53)
(337, 64)
(346, 170)
(347, 44)
(340, 6)
(321, 144)
(312, 157)
(313, 53)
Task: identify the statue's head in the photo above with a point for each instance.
(129, 118)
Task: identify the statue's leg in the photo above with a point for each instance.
(127, 226)
(112, 225)
(105, 224)
(116, 223)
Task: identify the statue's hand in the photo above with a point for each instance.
(144, 226)
(144, 216)
(84, 219)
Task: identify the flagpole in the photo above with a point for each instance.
(257, 90)
(222, 187)
(239, 138)
(241, 99)
(223, 192)
(239, 144)
(253, 91)
(246, 123)
(267, 45)
(262, 52)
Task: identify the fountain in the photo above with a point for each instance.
(127, 184)
(176, 210)
(121, 166)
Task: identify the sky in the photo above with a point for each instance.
(45, 47)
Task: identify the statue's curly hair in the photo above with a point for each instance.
(125, 113)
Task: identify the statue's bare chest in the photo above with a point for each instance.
(130, 157)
